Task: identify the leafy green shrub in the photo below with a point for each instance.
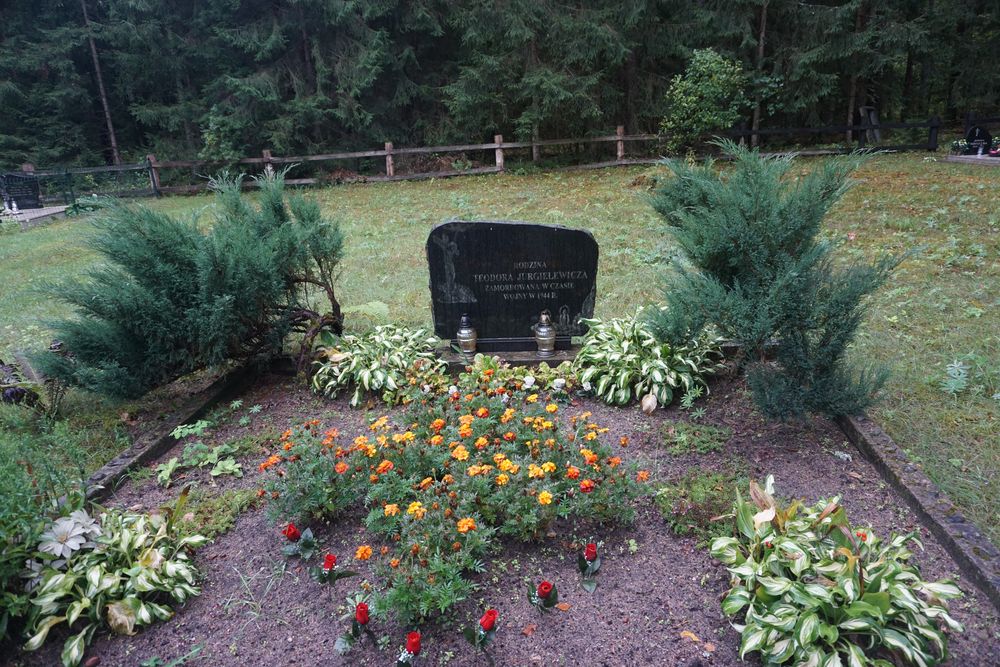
(170, 299)
(690, 504)
(120, 571)
(377, 361)
(756, 269)
(706, 98)
(476, 460)
(621, 360)
(817, 591)
(684, 437)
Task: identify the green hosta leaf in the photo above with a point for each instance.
(42, 632)
(944, 590)
(808, 629)
(725, 550)
(832, 660)
(753, 640)
(775, 586)
(855, 656)
(781, 650)
(73, 649)
(736, 600)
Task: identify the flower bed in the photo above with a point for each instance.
(656, 594)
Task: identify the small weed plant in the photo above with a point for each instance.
(811, 589)
(694, 504)
(685, 437)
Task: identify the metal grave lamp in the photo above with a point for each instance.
(466, 335)
(545, 335)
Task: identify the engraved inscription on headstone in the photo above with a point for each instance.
(978, 141)
(504, 274)
(22, 189)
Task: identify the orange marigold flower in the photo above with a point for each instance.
(260, 493)
(379, 423)
(588, 456)
(551, 408)
(587, 485)
(488, 373)
(514, 469)
(425, 483)
(460, 453)
(465, 432)
(502, 479)
(384, 467)
(614, 461)
(341, 467)
(572, 472)
(465, 525)
(483, 412)
(392, 509)
(448, 479)
(465, 420)
(544, 498)
(535, 472)
(364, 552)
(384, 551)
(437, 440)
(394, 563)
(288, 445)
(498, 457)
(271, 461)
(373, 478)
(481, 442)
(287, 434)
(508, 414)
(416, 509)
(509, 436)
(361, 441)
(438, 424)
(505, 464)
(642, 476)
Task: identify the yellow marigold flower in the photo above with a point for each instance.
(382, 441)
(364, 552)
(505, 464)
(425, 483)
(437, 440)
(502, 479)
(531, 399)
(417, 509)
(548, 467)
(391, 509)
(465, 420)
(586, 415)
(379, 423)
(544, 498)
(361, 441)
(551, 408)
(590, 436)
(508, 414)
(535, 472)
(460, 453)
(481, 442)
(514, 469)
(465, 525)
(498, 457)
(384, 467)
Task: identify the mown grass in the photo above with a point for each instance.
(941, 304)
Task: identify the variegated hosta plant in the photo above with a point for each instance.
(621, 359)
(813, 591)
(121, 571)
(378, 361)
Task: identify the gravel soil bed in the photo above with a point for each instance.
(657, 602)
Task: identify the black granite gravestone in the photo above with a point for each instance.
(504, 274)
(21, 188)
(978, 141)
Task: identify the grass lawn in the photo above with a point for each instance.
(940, 306)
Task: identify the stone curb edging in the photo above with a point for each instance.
(158, 440)
(975, 555)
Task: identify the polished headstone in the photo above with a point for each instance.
(504, 274)
(978, 141)
(21, 188)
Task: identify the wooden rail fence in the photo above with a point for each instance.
(867, 135)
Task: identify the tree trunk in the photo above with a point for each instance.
(852, 91)
(904, 108)
(115, 156)
(761, 36)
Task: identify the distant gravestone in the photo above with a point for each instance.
(504, 274)
(23, 189)
(978, 141)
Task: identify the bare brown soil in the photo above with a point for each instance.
(656, 603)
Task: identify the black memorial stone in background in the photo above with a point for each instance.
(978, 141)
(504, 274)
(21, 188)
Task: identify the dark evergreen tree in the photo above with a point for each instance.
(756, 268)
(171, 299)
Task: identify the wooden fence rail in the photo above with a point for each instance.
(867, 134)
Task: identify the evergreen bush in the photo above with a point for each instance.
(170, 299)
(756, 269)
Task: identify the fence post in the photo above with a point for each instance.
(268, 167)
(536, 150)
(154, 174)
(390, 167)
(932, 139)
(28, 168)
(620, 152)
(498, 140)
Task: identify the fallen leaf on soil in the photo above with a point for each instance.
(709, 647)
(563, 606)
(690, 635)
(856, 475)
(529, 630)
